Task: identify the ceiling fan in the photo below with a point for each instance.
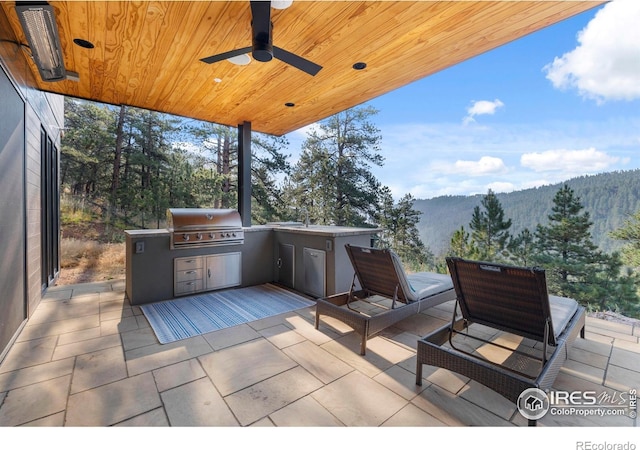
(262, 48)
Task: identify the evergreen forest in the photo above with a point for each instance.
(610, 198)
(131, 165)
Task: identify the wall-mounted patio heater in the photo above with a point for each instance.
(39, 25)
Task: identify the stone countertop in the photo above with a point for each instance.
(316, 230)
(326, 230)
(153, 232)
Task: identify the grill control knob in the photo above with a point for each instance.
(199, 236)
(212, 235)
(185, 237)
(233, 234)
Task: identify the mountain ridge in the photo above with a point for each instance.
(610, 198)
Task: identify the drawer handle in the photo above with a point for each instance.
(190, 271)
(190, 283)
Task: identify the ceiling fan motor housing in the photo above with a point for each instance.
(262, 49)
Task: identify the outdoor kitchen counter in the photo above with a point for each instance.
(326, 230)
(146, 233)
(150, 258)
(313, 259)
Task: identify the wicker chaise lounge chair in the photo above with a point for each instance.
(380, 274)
(512, 300)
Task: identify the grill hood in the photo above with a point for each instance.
(199, 227)
(184, 219)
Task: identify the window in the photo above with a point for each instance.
(50, 220)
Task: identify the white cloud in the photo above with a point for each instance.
(445, 186)
(486, 165)
(420, 157)
(606, 63)
(568, 161)
(501, 186)
(306, 130)
(482, 107)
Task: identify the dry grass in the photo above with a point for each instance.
(90, 250)
(86, 261)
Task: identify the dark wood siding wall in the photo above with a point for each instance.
(13, 216)
(40, 113)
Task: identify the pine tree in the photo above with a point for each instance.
(521, 248)
(565, 248)
(629, 232)
(611, 288)
(267, 163)
(399, 223)
(461, 245)
(575, 267)
(333, 177)
(385, 218)
(490, 232)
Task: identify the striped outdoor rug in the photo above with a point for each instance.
(185, 317)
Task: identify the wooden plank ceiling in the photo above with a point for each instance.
(147, 54)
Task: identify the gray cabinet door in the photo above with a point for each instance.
(286, 265)
(223, 270)
(315, 266)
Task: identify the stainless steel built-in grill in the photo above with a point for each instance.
(202, 227)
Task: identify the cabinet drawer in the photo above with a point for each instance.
(182, 264)
(188, 287)
(188, 275)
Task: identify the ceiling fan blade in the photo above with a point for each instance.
(262, 48)
(296, 61)
(226, 55)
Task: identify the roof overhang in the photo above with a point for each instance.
(148, 54)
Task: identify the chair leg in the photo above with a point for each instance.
(532, 423)
(363, 344)
(317, 318)
(419, 373)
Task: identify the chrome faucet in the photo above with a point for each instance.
(304, 211)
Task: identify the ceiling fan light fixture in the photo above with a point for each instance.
(289, 104)
(281, 4)
(240, 60)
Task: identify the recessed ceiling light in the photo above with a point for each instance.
(289, 105)
(240, 60)
(217, 80)
(359, 65)
(82, 43)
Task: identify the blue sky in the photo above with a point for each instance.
(556, 104)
